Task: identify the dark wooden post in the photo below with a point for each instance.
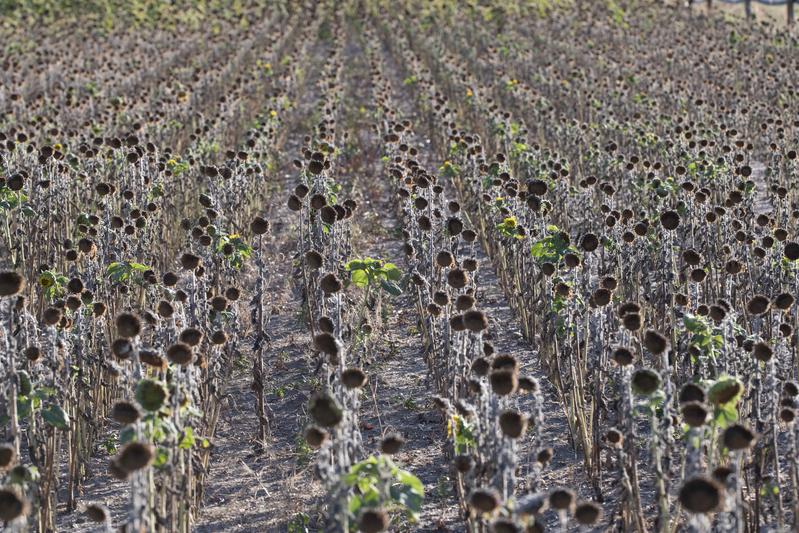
(748, 8)
(790, 12)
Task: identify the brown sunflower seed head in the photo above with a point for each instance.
(259, 226)
(330, 284)
(327, 344)
(481, 366)
(190, 261)
(762, 351)
(125, 412)
(464, 302)
(627, 308)
(116, 471)
(444, 259)
(645, 381)
(505, 361)
(544, 456)
(180, 354)
(325, 410)
(122, 348)
(314, 259)
(316, 436)
(503, 381)
(151, 358)
(561, 499)
(218, 337)
(701, 494)
(632, 321)
(99, 309)
(655, 342)
(170, 279)
(484, 500)
(463, 463)
(695, 414)
(512, 423)
(8, 456)
(52, 316)
(784, 301)
(505, 525)
(392, 444)
(614, 437)
(165, 309)
(457, 278)
(722, 474)
(758, 305)
(456, 323)
(32, 353)
(13, 504)
(191, 336)
(135, 456)
(737, 437)
(219, 303)
(232, 294)
(475, 320)
(601, 297)
(588, 513)
(97, 512)
(623, 356)
(326, 324)
(589, 242)
(441, 298)
(670, 220)
(128, 325)
(353, 378)
(528, 384)
(691, 392)
(11, 283)
(373, 521)
(469, 264)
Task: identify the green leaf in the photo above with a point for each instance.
(161, 457)
(538, 250)
(360, 278)
(726, 391)
(188, 439)
(24, 407)
(413, 482)
(151, 394)
(724, 415)
(369, 491)
(25, 385)
(55, 416)
(117, 272)
(392, 272)
(126, 435)
(390, 287)
(409, 499)
(355, 264)
(43, 392)
(356, 503)
(694, 324)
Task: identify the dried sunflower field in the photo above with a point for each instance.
(422, 265)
